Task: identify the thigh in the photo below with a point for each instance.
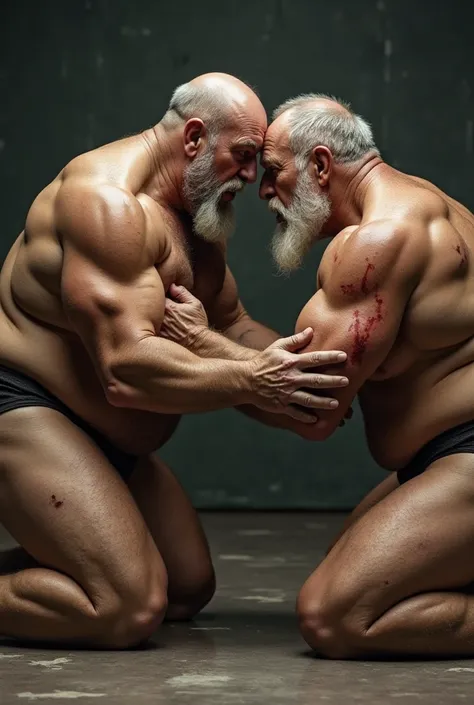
(378, 493)
(68, 508)
(419, 538)
(174, 525)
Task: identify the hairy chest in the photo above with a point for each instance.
(190, 262)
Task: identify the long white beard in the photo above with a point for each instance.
(304, 221)
(213, 219)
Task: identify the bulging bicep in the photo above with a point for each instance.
(110, 314)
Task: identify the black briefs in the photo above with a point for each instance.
(18, 391)
(459, 439)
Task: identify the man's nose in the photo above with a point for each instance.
(248, 173)
(266, 190)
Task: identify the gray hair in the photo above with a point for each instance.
(208, 104)
(347, 135)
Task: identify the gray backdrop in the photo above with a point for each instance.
(76, 74)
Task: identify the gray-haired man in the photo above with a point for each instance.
(396, 291)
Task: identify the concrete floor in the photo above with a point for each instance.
(245, 648)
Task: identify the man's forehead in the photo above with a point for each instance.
(277, 132)
(275, 145)
(250, 135)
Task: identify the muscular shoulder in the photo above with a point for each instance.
(107, 221)
(362, 259)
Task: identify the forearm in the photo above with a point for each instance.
(163, 377)
(251, 333)
(239, 341)
(211, 344)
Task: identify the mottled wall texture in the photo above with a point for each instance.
(80, 73)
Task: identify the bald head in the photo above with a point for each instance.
(216, 99)
(216, 125)
(231, 89)
(317, 119)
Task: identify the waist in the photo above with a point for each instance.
(400, 420)
(131, 431)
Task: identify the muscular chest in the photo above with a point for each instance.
(193, 263)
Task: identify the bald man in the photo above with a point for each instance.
(88, 388)
(396, 291)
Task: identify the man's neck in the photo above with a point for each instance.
(164, 182)
(351, 193)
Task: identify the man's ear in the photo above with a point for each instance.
(321, 160)
(194, 132)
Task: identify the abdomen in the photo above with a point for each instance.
(403, 414)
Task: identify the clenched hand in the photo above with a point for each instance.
(185, 318)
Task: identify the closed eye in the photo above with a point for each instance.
(245, 154)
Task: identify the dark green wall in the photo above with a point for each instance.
(76, 74)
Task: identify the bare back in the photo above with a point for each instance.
(36, 335)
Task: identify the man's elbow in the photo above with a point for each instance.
(118, 396)
(118, 383)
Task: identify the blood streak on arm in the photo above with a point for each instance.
(363, 326)
(360, 307)
(364, 281)
(362, 329)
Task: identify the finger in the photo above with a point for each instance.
(169, 304)
(320, 357)
(321, 381)
(181, 294)
(300, 414)
(295, 342)
(310, 401)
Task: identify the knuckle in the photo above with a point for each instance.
(285, 394)
(286, 363)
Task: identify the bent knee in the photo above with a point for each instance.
(131, 622)
(327, 629)
(186, 604)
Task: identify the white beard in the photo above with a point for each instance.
(213, 219)
(304, 221)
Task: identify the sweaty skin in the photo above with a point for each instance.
(396, 290)
(82, 300)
